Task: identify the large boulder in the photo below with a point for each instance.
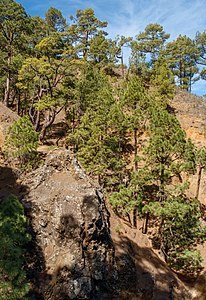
(69, 221)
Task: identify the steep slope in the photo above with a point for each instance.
(73, 255)
(191, 113)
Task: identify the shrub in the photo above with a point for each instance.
(13, 240)
(21, 141)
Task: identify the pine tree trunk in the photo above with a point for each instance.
(122, 65)
(135, 217)
(18, 103)
(129, 219)
(145, 224)
(8, 82)
(135, 151)
(46, 125)
(162, 246)
(198, 182)
(37, 120)
(162, 182)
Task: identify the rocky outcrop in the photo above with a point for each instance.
(70, 227)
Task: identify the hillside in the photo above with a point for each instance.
(101, 194)
(141, 272)
(190, 110)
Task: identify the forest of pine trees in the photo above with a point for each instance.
(117, 119)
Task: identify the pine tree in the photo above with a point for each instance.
(200, 42)
(162, 83)
(13, 240)
(15, 23)
(168, 152)
(182, 55)
(46, 81)
(21, 142)
(179, 230)
(136, 102)
(55, 21)
(147, 47)
(99, 138)
(84, 28)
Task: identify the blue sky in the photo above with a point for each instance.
(129, 17)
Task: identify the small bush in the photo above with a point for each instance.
(187, 261)
(21, 142)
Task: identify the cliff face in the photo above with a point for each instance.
(71, 232)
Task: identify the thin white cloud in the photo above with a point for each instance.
(177, 16)
(129, 17)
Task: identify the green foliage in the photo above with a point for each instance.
(13, 240)
(84, 28)
(135, 106)
(182, 55)
(146, 49)
(188, 261)
(123, 201)
(162, 81)
(201, 157)
(99, 50)
(98, 149)
(99, 137)
(21, 141)
(168, 151)
(13, 20)
(54, 20)
(200, 42)
(15, 27)
(180, 230)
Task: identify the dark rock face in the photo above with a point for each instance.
(70, 225)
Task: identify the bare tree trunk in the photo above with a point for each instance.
(198, 181)
(145, 224)
(8, 83)
(37, 120)
(135, 217)
(135, 151)
(122, 65)
(8, 79)
(46, 125)
(162, 246)
(18, 103)
(129, 219)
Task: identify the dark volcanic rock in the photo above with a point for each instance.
(70, 226)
